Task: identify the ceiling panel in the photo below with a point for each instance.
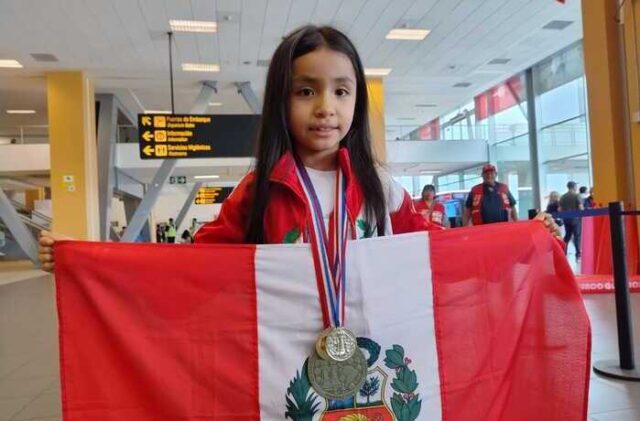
(325, 11)
(252, 27)
(122, 44)
(299, 14)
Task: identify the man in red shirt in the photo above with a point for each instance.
(432, 210)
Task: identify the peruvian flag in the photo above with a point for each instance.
(482, 323)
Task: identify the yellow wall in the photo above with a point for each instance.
(375, 89)
(30, 196)
(72, 136)
(612, 177)
(631, 21)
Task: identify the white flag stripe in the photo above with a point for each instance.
(389, 301)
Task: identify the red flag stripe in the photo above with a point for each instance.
(114, 352)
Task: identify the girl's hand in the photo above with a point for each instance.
(45, 249)
(550, 223)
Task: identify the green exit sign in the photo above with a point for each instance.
(178, 179)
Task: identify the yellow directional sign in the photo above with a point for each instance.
(212, 195)
(178, 136)
(148, 150)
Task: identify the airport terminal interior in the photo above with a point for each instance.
(133, 120)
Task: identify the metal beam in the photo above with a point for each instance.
(162, 175)
(18, 228)
(534, 157)
(187, 204)
(131, 204)
(245, 89)
(107, 131)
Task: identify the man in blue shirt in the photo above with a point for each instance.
(489, 202)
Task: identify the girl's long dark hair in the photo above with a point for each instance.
(274, 139)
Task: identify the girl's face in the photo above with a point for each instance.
(321, 105)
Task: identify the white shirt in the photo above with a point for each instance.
(324, 183)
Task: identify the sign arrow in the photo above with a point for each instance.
(147, 136)
(146, 121)
(148, 150)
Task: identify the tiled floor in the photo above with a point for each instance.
(29, 382)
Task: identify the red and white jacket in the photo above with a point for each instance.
(435, 214)
(287, 217)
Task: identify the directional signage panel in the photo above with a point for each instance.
(211, 195)
(173, 136)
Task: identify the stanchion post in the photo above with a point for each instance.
(621, 284)
(625, 367)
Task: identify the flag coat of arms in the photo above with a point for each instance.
(484, 323)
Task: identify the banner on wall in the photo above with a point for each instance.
(430, 130)
(505, 95)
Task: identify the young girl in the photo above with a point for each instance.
(315, 113)
(315, 110)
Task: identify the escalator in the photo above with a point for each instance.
(35, 221)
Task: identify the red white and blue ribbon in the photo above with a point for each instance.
(328, 261)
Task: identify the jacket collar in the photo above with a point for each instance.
(284, 172)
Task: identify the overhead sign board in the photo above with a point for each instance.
(212, 195)
(179, 136)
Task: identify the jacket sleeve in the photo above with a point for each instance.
(405, 218)
(230, 226)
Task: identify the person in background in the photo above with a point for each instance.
(432, 210)
(553, 206)
(554, 202)
(589, 202)
(159, 233)
(194, 227)
(186, 237)
(584, 196)
(489, 202)
(570, 201)
(172, 231)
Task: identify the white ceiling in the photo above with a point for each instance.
(122, 44)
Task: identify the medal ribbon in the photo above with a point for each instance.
(330, 269)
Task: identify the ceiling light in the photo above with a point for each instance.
(408, 34)
(157, 111)
(432, 172)
(500, 61)
(200, 67)
(21, 111)
(377, 71)
(557, 25)
(205, 177)
(10, 64)
(215, 104)
(44, 57)
(193, 26)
